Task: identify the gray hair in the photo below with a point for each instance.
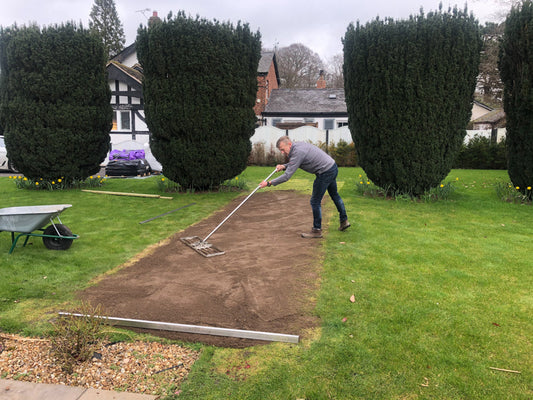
(283, 139)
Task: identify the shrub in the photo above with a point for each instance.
(200, 86)
(516, 71)
(75, 337)
(481, 153)
(409, 87)
(55, 101)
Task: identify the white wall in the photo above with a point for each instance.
(268, 135)
(485, 133)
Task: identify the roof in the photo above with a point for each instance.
(266, 60)
(118, 71)
(125, 53)
(483, 105)
(306, 102)
(491, 117)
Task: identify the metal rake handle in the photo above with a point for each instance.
(233, 212)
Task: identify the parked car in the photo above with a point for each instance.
(4, 162)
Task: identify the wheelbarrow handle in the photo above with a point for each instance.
(233, 212)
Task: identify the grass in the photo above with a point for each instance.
(442, 290)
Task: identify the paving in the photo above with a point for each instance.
(17, 390)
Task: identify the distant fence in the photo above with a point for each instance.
(269, 135)
(265, 137)
(495, 135)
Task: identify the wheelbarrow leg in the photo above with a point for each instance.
(14, 240)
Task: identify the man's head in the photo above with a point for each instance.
(284, 145)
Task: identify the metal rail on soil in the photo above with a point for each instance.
(197, 329)
(207, 249)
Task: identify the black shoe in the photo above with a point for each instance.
(344, 225)
(313, 234)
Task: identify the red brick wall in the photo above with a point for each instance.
(262, 94)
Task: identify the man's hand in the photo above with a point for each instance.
(280, 167)
(263, 184)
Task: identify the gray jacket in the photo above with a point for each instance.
(307, 157)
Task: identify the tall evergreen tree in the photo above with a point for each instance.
(409, 88)
(200, 85)
(54, 94)
(516, 69)
(106, 23)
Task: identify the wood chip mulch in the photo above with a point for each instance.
(137, 367)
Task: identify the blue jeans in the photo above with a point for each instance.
(326, 181)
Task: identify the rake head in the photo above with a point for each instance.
(202, 247)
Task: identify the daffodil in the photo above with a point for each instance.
(36, 183)
(59, 180)
(529, 188)
(517, 188)
(441, 185)
(25, 178)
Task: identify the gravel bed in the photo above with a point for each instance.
(137, 367)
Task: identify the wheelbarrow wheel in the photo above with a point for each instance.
(57, 243)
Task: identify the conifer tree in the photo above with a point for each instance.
(106, 23)
(200, 85)
(409, 88)
(516, 70)
(55, 111)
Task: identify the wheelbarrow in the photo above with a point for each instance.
(25, 220)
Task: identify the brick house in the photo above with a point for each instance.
(267, 80)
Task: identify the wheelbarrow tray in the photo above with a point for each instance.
(26, 219)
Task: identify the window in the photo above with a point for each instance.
(329, 123)
(121, 121)
(125, 120)
(342, 123)
(276, 121)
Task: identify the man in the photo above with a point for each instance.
(315, 161)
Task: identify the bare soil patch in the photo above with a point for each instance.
(264, 282)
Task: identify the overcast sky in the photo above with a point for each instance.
(319, 25)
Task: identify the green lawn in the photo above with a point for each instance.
(443, 290)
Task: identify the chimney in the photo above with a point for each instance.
(321, 82)
(153, 19)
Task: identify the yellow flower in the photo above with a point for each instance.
(441, 185)
(368, 183)
(98, 176)
(529, 188)
(456, 179)
(59, 180)
(10, 177)
(517, 188)
(36, 183)
(25, 178)
(162, 179)
(361, 182)
(236, 178)
(360, 176)
(53, 182)
(91, 177)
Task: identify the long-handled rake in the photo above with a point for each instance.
(207, 249)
